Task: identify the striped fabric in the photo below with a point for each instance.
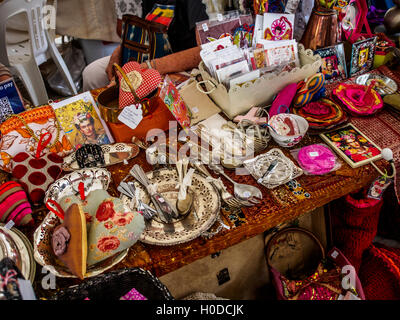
(14, 204)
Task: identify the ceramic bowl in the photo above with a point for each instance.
(290, 141)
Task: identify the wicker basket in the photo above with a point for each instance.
(113, 285)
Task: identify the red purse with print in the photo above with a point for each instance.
(36, 173)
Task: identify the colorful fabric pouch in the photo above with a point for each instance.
(283, 100)
(359, 100)
(21, 133)
(135, 83)
(309, 90)
(14, 204)
(35, 174)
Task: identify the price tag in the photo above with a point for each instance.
(9, 225)
(314, 154)
(205, 27)
(131, 115)
(220, 17)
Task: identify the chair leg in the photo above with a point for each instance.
(59, 61)
(33, 82)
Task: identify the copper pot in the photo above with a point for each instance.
(392, 19)
(322, 29)
(109, 108)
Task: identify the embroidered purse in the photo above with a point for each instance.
(21, 133)
(111, 226)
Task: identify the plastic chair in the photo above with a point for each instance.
(25, 57)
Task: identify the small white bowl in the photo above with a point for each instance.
(290, 141)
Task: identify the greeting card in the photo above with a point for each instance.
(173, 100)
(278, 26)
(78, 116)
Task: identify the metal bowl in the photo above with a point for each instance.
(384, 86)
(16, 246)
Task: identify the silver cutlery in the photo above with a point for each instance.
(242, 191)
(163, 208)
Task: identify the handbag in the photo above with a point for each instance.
(297, 274)
(143, 40)
(36, 173)
(21, 133)
(135, 84)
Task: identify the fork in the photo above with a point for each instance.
(226, 197)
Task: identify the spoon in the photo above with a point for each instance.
(241, 191)
(184, 205)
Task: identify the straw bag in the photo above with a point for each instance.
(301, 270)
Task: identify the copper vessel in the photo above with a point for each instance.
(392, 18)
(322, 29)
(109, 108)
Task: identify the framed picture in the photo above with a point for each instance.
(352, 145)
(362, 56)
(79, 118)
(333, 62)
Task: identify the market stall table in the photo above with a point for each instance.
(279, 206)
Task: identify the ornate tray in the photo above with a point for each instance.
(94, 178)
(284, 171)
(205, 211)
(43, 253)
(113, 154)
(25, 261)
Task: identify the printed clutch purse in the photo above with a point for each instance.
(111, 226)
(21, 133)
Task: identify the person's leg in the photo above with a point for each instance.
(94, 75)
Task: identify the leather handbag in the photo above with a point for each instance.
(143, 39)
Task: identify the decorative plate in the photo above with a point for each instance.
(27, 263)
(204, 213)
(113, 154)
(384, 85)
(284, 171)
(93, 179)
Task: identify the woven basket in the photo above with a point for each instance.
(115, 284)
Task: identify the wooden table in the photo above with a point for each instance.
(279, 206)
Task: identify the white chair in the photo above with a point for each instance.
(27, 56)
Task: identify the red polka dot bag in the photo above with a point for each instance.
(36, 173)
